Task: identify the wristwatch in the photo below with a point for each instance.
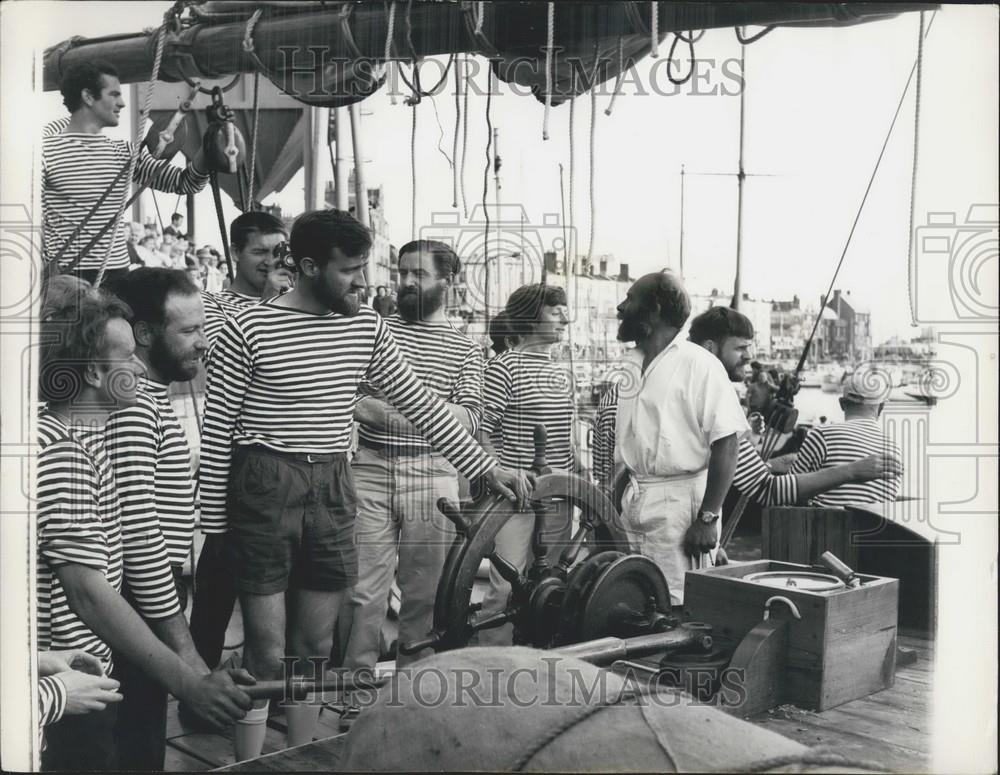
(709, 517)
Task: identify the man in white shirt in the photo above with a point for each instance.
(678, 422)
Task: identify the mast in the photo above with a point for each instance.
(740, 177)
(682, 223)
(340, 170)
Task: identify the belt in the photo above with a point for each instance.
(644, 479)
(394, 450)
(302, 457)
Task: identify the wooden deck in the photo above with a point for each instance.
(891, 728)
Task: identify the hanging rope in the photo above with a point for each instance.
(486, 185)
(253, 140)
(549, 39)
(140, 135)
(480, 16)
(670, 59)
(388, 48)
(465, 133)
(415, 86)
(745, 41)
(156, 204)
(913, 173)
(593, 132)
(857, 217)
(437, 119)
(619, 79)
(413, 172)
(654, 30)
(454, 144)
(572, 171)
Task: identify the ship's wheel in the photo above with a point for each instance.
(594, 588)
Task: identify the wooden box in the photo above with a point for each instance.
(878, 539)
(843, 647)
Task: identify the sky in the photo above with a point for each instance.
(818, 104)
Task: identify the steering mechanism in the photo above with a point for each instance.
(595, 588)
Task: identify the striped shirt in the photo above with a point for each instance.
(51, 700)
(79, 522)
(77, 168)
(827, 446)
(448, 363)
(289, 380)
(752, 477)
(152, 465)
(524, 389)
(219, 307)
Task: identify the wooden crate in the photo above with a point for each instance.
(869, 539)
(843, 648)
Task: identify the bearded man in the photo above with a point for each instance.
(397, 476)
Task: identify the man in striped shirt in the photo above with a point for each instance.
(524, 387)
(859, 436)
(152, 466)
(728, 335)
(87, 370)
(253, 236)
(282, 388)
(80, 164)
(397, 476)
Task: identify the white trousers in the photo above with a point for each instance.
(657, 513)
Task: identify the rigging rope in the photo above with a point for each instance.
(670, 59)
(913, 175)
(253, 141)
(899, 107)
(486, 184)
(141, 133)
(465, 132)
(437, 118)
(572, 170)
(654, 30)
(549, 39)
(413, 172)
(619, 79)
(388, 49)
(454, 144)
(745, 41)
(593, 131)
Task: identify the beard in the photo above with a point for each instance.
(633, 329)
(736, 373)
(348, 304)
(416, 305)
(173, 366)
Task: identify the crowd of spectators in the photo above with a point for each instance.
(173, 248)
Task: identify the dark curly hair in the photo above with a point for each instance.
(256, 221)
(84, 75)
(316, 233)
(446, 260)
(145, 291)
(524, 307)
(500, 332)
(718, 324)
(72, 336)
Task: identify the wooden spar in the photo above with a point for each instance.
(204, 50)
(312, 155)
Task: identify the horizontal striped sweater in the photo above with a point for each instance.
(827, 446)
(288, 380)
(524, 389)
(152, 467)
(79, 522)
(446, 361)
(77, 168)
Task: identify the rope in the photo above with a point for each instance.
(549, 39)
(140, 135)
(465, 133)
(559, 730)
(253, 142)
(670, 58)
(156, 204)
(619, 79)
(571, 257)
(654, 30)
(480, 16)
(593, 132)
(744, 41)
(388, 47)
(415, 87)
(413, 172)
(813, 759)
(913, 174)
(437, 119)
(454, 144)
(829, 290)
(486, 185)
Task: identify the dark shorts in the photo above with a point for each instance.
(291, 521)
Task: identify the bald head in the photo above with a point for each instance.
(655, 301)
